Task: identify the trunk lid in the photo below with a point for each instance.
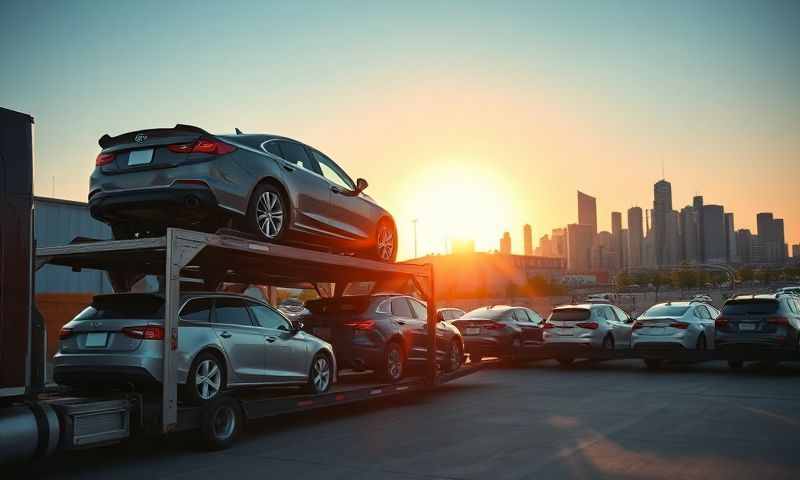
(568, 321)
(750, 316)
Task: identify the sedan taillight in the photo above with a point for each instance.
(214, 147)
(588, 325)
(103, 159)
(494, 326)
(778, 321)
(361, 324)
(679, 325)
(65, 333)
(145, 332)
(637, 325)
(548, 325)
(721, 322)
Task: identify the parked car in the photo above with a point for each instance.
(674, 326)
(789, 291)
(500, 331)
(447, 314)
(292, 308)
(758, 322)
(571, 329)
(702, 297)
(277, 188)
(382, 333)
(225, 341)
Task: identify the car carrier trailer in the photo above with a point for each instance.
(67, 419)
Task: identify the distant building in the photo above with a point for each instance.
(587, 211)
(780, 241)
(635, 237)
(624, 254)
(730, 239)
(461, 247)
(744, 245)
(603, 257)
(505, 244)
(689, 235)
(579, 247)
(697, 204)
(616, 234)
(527, 239)
(673, 238)
(796, 252)
(662, 206)
(559, 238)
(714, 234)
(768, 237)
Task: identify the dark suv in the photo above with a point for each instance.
(381, 332)
(758, 322)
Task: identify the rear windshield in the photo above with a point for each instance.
(131, 305)
(665, 311)
(570, 314)
(338, 305)
(755, 307)
(485, 314)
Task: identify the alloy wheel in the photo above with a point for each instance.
(321, 376)
(208, 379)
(394, 363)
(385, 243)
(455, 356)
(269, 214)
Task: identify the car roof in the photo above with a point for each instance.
(757, 296)
(581, 306)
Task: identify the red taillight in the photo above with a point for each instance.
(637, 325)
(104, 159)
(494, 326)
(548, 325)
(145, 332)
(680, 325)
(588, 325)
(721, 322)
(778, 321)
(214, 147)
(65, 333)
(361, 324)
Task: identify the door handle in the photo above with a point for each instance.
(288, 167)
(270, 339)
(225, 335)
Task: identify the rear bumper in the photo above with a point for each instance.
(478, 346)
(662, 342)
(82, 369)
(182, 203)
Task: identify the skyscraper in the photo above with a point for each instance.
(697, 203)
(587, 211)
(714, 233)
(616, 236)
(730, 239)
(579, 247)
(765, 226)
(744, 245)
(505, 244)
(559, 238)
(795, 251)
(527, 238)
(689, 234)
(635, 237)
(780, 240)
(662, 208)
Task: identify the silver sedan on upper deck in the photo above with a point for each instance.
(224, 341)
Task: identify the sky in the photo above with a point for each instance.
(471, 117)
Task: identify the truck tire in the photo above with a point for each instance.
(220, 423)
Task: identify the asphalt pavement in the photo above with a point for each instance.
(591, 420)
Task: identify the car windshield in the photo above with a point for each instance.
(131, 305)
(570, 314)
(755, 306)
(485, 313)
(665, 311)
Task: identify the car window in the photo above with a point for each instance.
(231, 311)
(796, 305)
(621, 315)
(420, 309)
(400, 308)
(535, 317)
(602, 314)
(268, 318)
(294, 152)
(332, 172)
(273, 148)
(521, 316)
(197, 310)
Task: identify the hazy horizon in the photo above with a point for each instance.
(474, 118)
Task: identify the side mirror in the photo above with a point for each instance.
(361, 185)
(297, 325)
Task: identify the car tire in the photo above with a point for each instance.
(268, 213)
(393, 366)
(455, 357)
(653, 363)
(320, 375)
(608, 343)
(220, 423)
(385, 247)
(565, 361)
(513, 357)
(736, 364)
(206, 379)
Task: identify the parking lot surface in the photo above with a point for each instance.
(591, 420)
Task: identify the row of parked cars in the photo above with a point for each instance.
(232, 341)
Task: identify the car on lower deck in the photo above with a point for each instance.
(571, 330)
(674, 326)
(274, 187)
(224, 341)
(381, 332)
(748, 323)
(501, 331)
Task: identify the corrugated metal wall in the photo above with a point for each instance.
(57, 222)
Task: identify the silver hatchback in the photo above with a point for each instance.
(572, 329)
(224, 341)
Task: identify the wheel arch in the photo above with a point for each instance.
(221, 356)
(275, 182)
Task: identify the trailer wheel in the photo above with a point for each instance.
(455, 356)
(394, 362)
(221, 423)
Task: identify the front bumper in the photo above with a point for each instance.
(174, 204)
